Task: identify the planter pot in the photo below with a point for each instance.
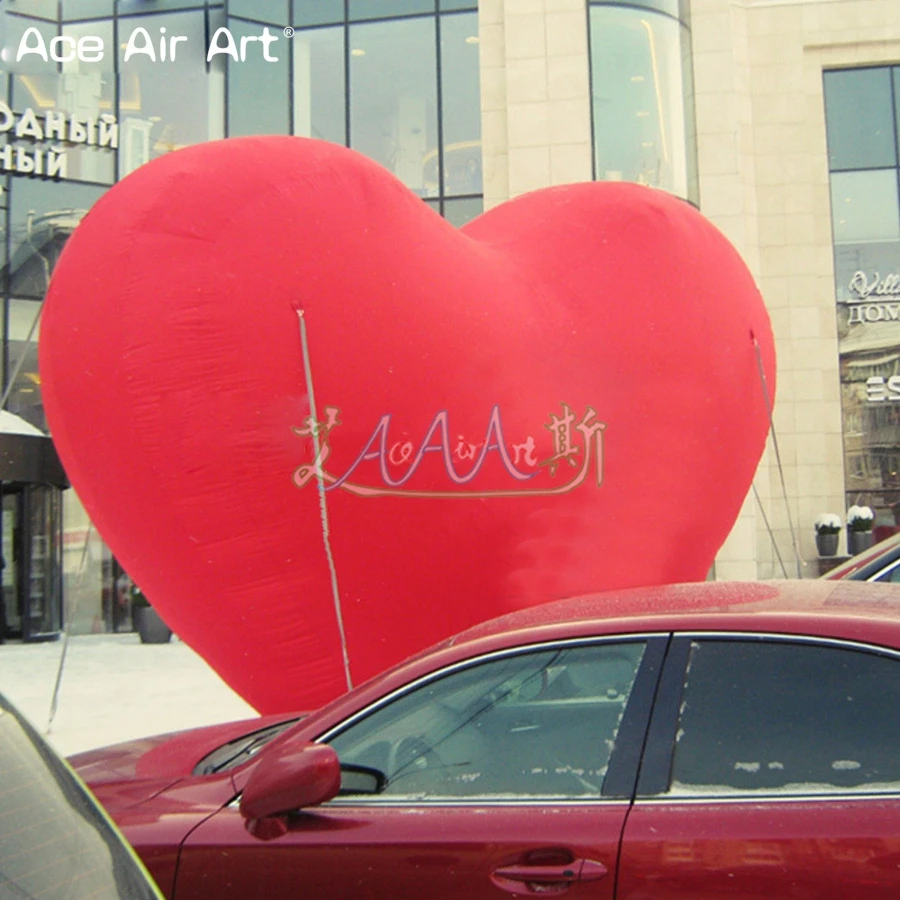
(857, 541)
(150, 626)
(827, 544)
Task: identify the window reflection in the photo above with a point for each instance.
(459, 212)
(539, 724)
(165, 105)
(640, 110)
(86, 9)
(393, 91)
(22, 343)
(276, 11)
(858, 119)
(42, 216)
(461, 107)
(319, 109)
(317, 12)
(35, 81)
(257, 88)
(46, 9)
(386, 9)
(864, 206)
(87, 91)
(862, 126)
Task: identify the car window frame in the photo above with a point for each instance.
(655, 775)
(886, 570)
(621, 777)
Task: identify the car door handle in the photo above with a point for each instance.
(516, 878)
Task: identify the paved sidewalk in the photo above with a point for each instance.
(113, 689)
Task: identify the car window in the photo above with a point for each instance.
(891, 574)
(536, 724)
(787, 717)
(55, 843)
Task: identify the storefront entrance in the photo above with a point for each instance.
(31, 534)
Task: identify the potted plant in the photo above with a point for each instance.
(860, 520)
(828, 531)
(147, 621)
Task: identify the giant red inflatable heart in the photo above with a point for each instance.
(322, 428)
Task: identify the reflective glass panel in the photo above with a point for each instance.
(87, 91)
(149, 6)
(164, 104)
(393, 91)
(11, 530)
(26, 37)
(386, 9)
(638, 94)
(861, 132)
(45, 9)
(670, 7)
(458, 212)
(317, 12)
(257, 88)
(319, 99)
(42, 216)
(864, 206)
(447, 5)
(896, 71)
(274, 11)
(44, 508)
(24, 331)
(461, 102)
(72, 10)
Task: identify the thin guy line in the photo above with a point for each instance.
(787, 505)
(326, 531)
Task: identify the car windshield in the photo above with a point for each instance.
(55, 842)
(234, 753)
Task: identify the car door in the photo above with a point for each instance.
(772, 770)
(511, 773)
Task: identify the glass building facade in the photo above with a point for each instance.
(92, 89)
(863, 123)
(642, 98)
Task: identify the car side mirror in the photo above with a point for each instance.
(289, 777)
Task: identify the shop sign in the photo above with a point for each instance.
(880, 389)
(865, 291)
(50, 126)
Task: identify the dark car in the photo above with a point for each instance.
(878, 563)
(56, 843)
(705, 741)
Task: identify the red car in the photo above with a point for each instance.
(704, 741)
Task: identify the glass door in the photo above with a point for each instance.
(10, 559)
(43, 576)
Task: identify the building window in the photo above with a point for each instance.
(395, 79)
(642, 95)
(861, 113)
(398, 81)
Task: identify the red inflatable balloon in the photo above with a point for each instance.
(322, 428)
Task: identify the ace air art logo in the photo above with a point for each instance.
(577, 451)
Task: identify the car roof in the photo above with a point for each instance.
(818, 607)
(856, 611)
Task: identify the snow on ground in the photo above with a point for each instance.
(114, 688)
